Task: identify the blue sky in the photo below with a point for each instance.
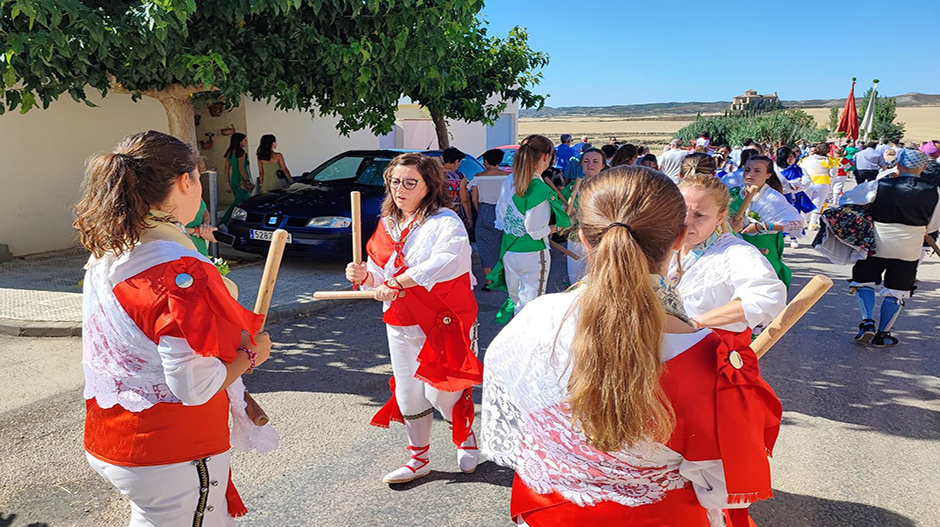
(618, 52)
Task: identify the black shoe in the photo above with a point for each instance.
(883, 339)
(866, 331)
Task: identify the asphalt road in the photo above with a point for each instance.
(859, 445)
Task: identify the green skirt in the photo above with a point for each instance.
(771, 246)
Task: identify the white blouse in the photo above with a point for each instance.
(770, 205)
(732, 269)
(436, 250)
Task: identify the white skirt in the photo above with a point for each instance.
(172, 495)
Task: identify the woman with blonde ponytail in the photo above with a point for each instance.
(524, 212)
(606, 399)
(724, 281)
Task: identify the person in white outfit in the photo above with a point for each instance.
(524, 212)
(419, 266)
(818, 170)
(724, 282)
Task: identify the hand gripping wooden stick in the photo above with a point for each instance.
(797, 307)
(355, 199)
(262, 304)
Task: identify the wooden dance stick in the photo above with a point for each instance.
(797, 307)
(355, 199)
(347, 295)
(932, 244)
(262, 304)
(564, 250)
(553, 187)
(752, 191)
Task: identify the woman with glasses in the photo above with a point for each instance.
(419, 267)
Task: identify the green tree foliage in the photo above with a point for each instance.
(340, 57)
(784, 126)
(885, 113)
(475, 68)
(833, 118)
(757, 107)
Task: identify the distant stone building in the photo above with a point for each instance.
(741, 101)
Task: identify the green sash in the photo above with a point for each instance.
(537, 193)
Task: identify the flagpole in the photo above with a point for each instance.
(869, 120)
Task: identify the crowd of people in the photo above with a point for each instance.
(631, 398)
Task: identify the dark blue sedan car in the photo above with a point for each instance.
(316, 211)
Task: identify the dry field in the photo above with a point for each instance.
(921, 123)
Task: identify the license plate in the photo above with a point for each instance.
(265, 235)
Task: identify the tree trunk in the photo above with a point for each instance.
(440, 126)
(181, 118)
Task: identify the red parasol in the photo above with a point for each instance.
(848, 123)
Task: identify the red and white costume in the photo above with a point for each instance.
(159, 321)
(429, 329)
(717, 458)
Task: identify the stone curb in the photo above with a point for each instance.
(30, 328)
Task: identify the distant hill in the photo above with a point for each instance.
(667, 109)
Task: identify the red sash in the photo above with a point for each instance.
(722, 412)
(445, 315)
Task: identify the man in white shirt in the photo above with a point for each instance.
(868, 162)
(671, 160)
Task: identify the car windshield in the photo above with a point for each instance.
(362, 170)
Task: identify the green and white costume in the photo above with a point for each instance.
(524, 259)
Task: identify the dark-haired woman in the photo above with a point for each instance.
(419, 266)
(269, 163)
(484, 194)
(524, 213)
(768, 215)
(609, 405)
(164, 341)
(791, 180)
(237, 173)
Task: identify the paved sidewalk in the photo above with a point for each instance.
(40, 295)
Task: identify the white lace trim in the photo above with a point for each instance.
(122, 366)
(508, 217)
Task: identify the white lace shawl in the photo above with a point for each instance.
(508, 217)
(122, 366)
(527, 426)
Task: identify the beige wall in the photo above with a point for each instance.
(305, 140)
(43, 156)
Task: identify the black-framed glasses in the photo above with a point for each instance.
(408, 183)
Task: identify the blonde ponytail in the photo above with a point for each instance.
(525, 164)
(631, 216)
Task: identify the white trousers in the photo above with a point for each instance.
(415, 397)
(838, 183)
(576, 268)
(170, 495)
(818, 193)
(526, 276)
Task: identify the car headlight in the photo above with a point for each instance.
(239, 214)
(330, 222)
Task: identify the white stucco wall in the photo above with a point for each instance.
(43, 154)
(306, 141)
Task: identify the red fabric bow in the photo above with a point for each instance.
(748, 420)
